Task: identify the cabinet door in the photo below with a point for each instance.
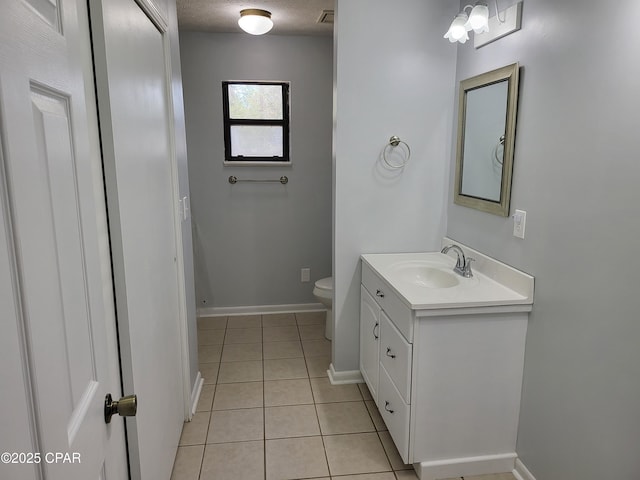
(369, 335)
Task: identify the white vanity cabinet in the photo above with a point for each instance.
(386, 355)
(446, 379)
(385, 358)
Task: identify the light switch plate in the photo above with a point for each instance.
(305, 275)
(519, 223)
(185, 208)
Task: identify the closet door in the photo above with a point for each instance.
(132, 64)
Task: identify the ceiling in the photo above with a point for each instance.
(290, 17)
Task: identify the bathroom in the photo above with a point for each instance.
(575, 173)
(387, 70)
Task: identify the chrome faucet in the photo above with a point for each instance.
(463, 264)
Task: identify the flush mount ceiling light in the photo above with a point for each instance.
(255, 21)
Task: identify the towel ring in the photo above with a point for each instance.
(395, 141)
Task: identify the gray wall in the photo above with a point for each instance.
(394, 76)
(250, 240)
(576, 172)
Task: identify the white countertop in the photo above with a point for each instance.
(497, 285)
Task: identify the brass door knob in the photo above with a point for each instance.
(125, 407)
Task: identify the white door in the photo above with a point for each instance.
(135, 117)
(58, 353)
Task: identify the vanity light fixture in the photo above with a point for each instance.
(255, 21)
(486, 29)
(477, 20)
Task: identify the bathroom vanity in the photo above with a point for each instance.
(443, 357)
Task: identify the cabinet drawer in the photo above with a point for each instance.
(376, 287)
(395, 355)
(395, 413)
(389, 300)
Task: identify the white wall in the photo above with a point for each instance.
(250, 240)
(394, 76)
(576, 172)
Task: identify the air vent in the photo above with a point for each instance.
(326, 17)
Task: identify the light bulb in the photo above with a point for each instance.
(479, 19)
(457, 31)
(255, 21)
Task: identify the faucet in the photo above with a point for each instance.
(463, 264)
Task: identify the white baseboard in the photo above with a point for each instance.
(342, 378)
(460, 467)
(521, 472)
(260, 309)
(195, 393)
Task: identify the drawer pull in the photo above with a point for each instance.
(386, 407)
(389, 354)
(379, 293)
(374, 330)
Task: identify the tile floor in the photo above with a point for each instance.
(268, 411)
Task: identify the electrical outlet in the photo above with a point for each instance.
(305, 275)
(519, 223)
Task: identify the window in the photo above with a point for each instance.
(256, 121)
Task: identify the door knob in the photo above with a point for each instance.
(125, 407)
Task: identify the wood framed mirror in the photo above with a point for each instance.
(487, 111)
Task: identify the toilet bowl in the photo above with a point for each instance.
(323, 291)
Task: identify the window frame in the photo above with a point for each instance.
(228, 122)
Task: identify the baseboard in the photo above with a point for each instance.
(459, 467)
(195, 393)
(521, 472)
(342, 378)
(260, 309)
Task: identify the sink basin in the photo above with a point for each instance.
(425, 281)
(424, 274)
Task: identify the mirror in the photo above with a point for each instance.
(486, 138)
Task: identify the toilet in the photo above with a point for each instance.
(323, 291)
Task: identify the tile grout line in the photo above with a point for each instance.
(385, 452)
(215, 391)
(315, 407)
(264, 409)
(379, 432)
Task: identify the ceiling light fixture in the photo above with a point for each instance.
(255, 21)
